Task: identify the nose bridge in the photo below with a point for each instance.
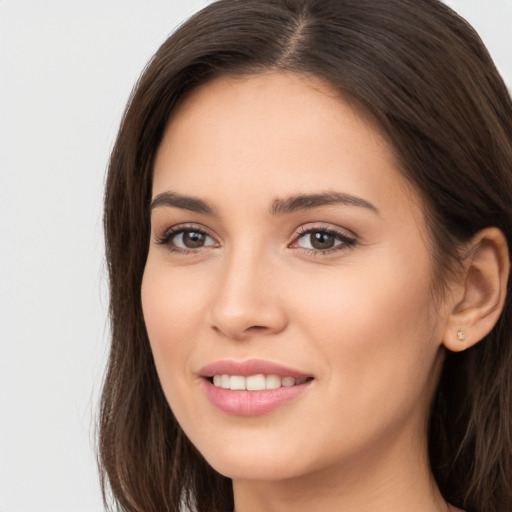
(247, 298)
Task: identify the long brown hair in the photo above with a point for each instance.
(426, 77)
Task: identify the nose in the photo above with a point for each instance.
(248, 301)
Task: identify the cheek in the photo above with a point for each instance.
(172, 313)
(171, 300)
(369, 301)
(374, 325)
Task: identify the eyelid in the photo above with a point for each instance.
(348, 239)
(166, 237)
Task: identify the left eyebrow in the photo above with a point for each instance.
(307, 201)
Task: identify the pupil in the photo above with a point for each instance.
(322, 240)
(192, 240)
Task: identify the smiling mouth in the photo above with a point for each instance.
(259, 382)
(252, 387)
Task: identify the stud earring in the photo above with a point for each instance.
(461, 336)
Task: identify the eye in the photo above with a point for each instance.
(323, 240)
(186, 239)
(191, 240)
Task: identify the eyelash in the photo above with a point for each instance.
(167, 237)
(347, 242)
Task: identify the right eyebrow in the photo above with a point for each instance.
(184, 202)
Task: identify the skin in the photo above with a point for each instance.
(360, 318)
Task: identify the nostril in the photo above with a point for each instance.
(256, 330)
(245, 321)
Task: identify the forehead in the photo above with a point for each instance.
(274, 133)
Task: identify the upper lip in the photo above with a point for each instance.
(249, 367)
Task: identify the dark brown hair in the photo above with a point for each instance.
(425, 76)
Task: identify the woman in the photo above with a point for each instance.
(307, 217)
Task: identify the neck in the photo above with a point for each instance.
(386, 478)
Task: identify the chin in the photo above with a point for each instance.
(253, 464)
(253, 470)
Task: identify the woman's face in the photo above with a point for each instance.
(288, 256)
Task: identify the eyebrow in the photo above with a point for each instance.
(184, 202)
(279, 206)
(307, 201)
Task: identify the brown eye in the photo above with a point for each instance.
(321, 240)
(188, 239)
(193, 239)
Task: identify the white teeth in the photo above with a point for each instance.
(272, 382)
(255, 382)
(288, 381)
(236, 382)
(224, 381)
(258, 382)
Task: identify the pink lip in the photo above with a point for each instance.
(251, 403)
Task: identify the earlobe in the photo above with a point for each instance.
(482, 289)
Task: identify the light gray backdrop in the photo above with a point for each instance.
(66, 70)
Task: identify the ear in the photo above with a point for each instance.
(479, 292)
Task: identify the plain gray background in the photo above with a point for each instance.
(66, 70)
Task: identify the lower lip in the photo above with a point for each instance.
(252, 403)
